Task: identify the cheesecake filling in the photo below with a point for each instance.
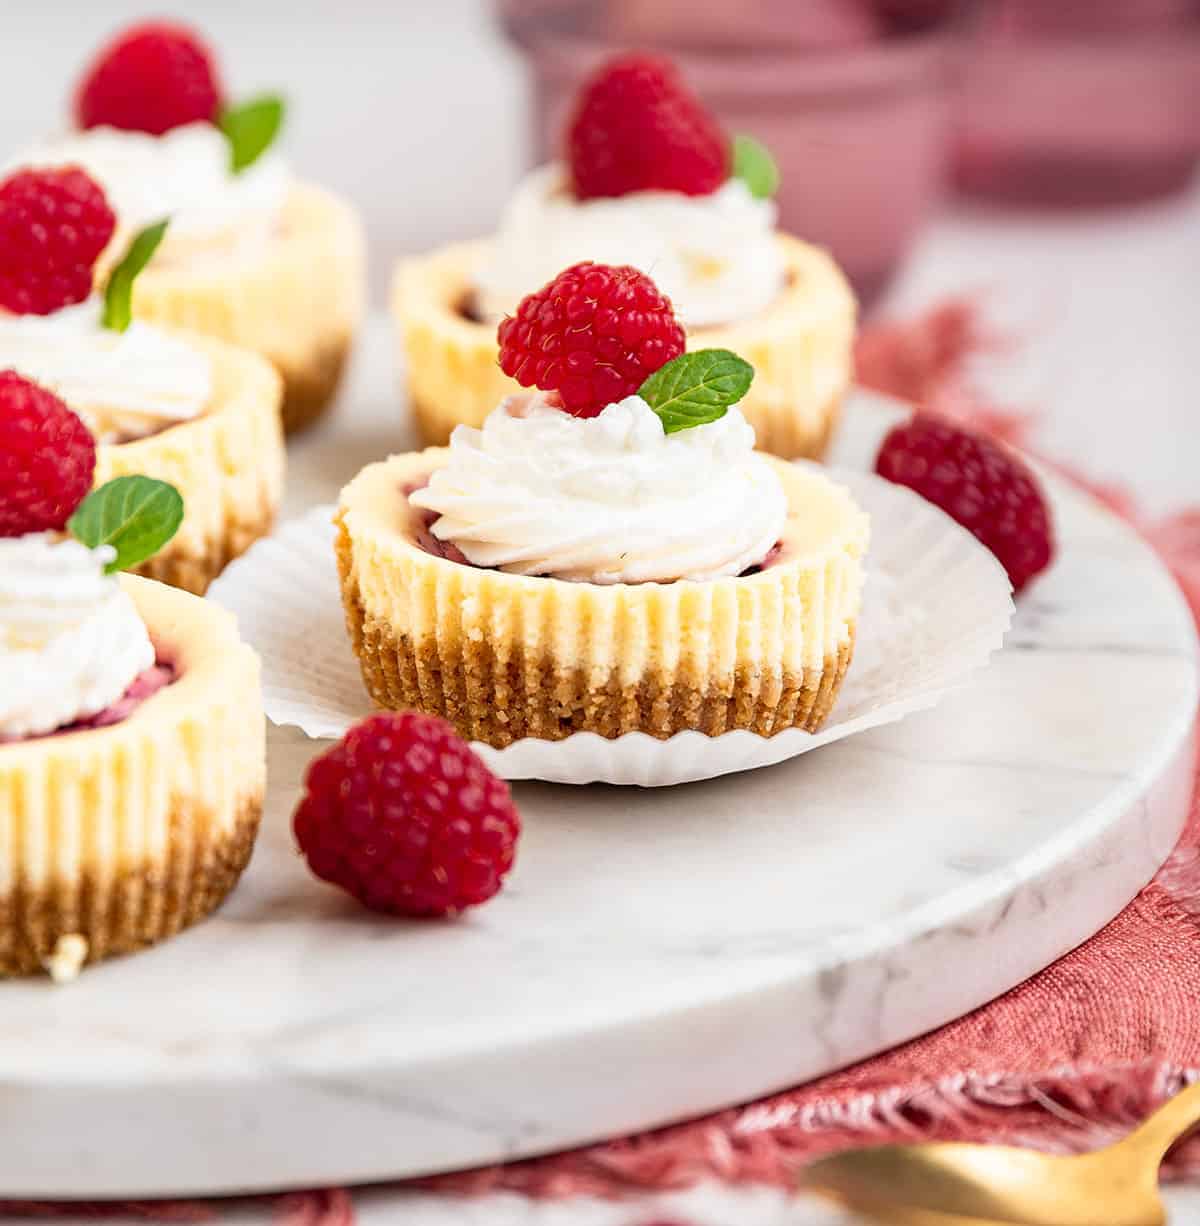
(714, 256)
(184, 174)
(71, 641)
(124, 385)
(608, 499)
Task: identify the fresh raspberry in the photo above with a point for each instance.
(637, 127)
(593, 335)
(982, 484)
(152, 77)
(54, 224)
(47, 458)
(402, 814)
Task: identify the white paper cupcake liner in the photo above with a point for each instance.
(937, 605)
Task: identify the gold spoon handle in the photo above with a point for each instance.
(1171, 1121)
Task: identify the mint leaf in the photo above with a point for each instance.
(696, 388)
(118, 294)
(251, 129)
(137, 516)
(754, 165)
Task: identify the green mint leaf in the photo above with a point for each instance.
(137, 516)
(118, 294)
(696, 388)
(754, 165)
(251, 129)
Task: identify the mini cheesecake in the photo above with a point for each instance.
(801, 347)
(504, 656)
(124, 834)
(646, 178)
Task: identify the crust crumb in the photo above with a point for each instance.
(70, 953)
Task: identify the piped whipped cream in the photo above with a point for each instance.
(123, 384)
(608, 499)
(184, 174)
(714, 256)
(71, 640)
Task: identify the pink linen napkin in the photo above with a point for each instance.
(1066, 1061)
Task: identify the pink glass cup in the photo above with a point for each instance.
(1080, 102)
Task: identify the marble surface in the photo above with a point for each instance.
(656, 954)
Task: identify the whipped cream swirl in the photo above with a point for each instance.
(608, 499)
(714, 256)
(123, 384)
(71, 640)
(184, 174)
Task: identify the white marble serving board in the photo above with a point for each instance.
(656, 954)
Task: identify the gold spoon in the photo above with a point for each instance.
(986, 1185)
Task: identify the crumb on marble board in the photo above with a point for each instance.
(70, 953)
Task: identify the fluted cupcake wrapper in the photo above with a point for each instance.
(801, 348)
(228, 464)
(936, 606)
(298, 301)
(126, 834)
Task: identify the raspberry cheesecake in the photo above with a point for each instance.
(132, 742)
(254, 256)
(608, 553)
(649, 179)
(185, 408)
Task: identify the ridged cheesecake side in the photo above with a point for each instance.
(801, 348)
(127, 834)
(506, 656)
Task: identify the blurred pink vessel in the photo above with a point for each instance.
(851, 96)
(1081, 102)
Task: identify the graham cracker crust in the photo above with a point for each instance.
(193, 572)
(308, 390)
(498, 700)
(138, 907)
